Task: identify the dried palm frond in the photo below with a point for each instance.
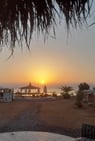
(19, 18)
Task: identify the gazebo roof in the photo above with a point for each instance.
(30, 86)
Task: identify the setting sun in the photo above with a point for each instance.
(41, 75)
(42, 81)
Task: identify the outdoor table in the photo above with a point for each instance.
(33, 136)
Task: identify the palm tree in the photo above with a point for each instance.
(19, 18)
(65, 91)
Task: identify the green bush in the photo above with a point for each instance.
(54, 94)
(66, 95)
(79, 99)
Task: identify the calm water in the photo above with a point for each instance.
(58, 91)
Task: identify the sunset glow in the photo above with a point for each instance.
(52, 63)
(42, 77)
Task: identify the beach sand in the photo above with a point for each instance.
(55, 115)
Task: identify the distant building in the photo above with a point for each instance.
(6, 95)
(89, 96)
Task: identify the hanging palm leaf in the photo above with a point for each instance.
(19, 18)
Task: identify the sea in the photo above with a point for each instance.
(58, 91)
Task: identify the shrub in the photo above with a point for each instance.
(65, 95)
(79, 99)
(54, 94)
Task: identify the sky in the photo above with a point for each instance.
(66, 59)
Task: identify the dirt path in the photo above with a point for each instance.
(28, 120)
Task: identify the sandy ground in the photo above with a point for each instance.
(64, 113)
(56, 115)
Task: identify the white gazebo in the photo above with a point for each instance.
(29, 90)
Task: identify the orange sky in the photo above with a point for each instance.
(55, 62)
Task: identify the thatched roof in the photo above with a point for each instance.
(19, 18)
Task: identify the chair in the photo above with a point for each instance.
(87, 133)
